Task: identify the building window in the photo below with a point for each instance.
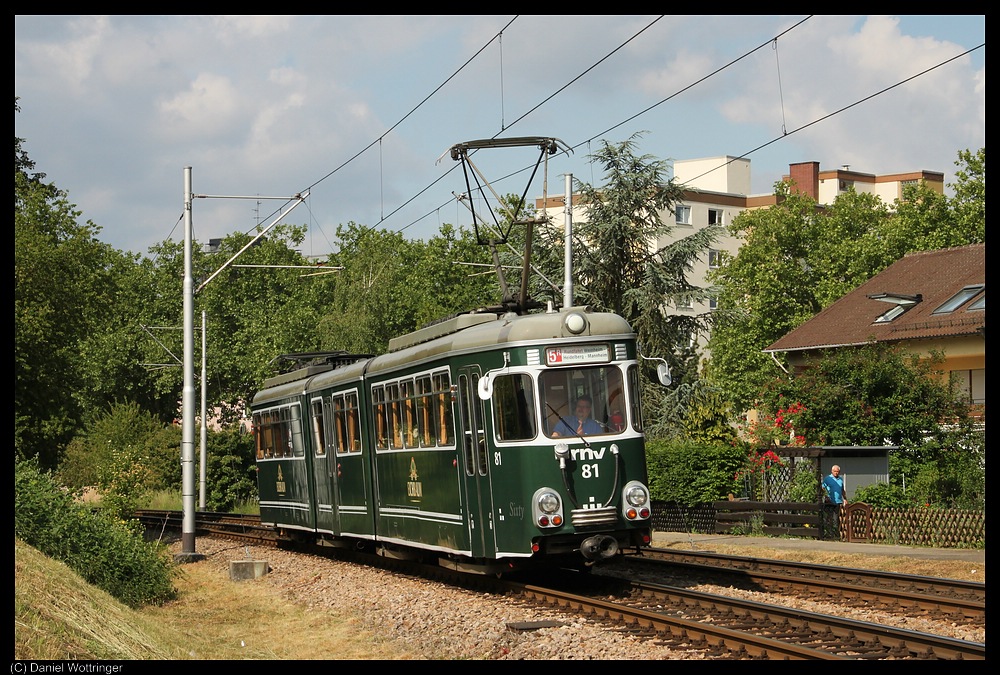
(893, 313)
(682, 214)
(902, 303)
(684, 303)
(715, 258)
(715, 217)
(960, 299)
(971, 384)
(713, 303)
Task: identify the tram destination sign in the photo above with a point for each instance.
(564, 356)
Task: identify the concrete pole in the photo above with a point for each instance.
(204, 418)
(187, 398)
(568, 281)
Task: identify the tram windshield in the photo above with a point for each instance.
(585, 401)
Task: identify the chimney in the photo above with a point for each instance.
(805, 176)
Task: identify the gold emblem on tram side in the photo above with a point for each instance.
(279, 483)
(414, 488)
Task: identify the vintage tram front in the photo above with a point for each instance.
(527, 491)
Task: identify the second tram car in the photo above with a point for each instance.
(446, 446)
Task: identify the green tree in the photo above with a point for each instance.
(254, 314)
(448, 275)
(65, 281)
(968, 206)
(798, 258)
(880, 395)
(626, 263)
(767, 289)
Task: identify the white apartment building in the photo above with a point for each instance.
(717, 189)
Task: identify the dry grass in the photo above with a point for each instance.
(948, 569)
(59, 616)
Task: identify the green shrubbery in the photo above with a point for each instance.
(883, 496)
(105, 550)
(130, 456)
(692, 473)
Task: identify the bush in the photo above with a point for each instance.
(692, 473)
(106, 551)
(805, 482)
(231, 474)
(883, 496)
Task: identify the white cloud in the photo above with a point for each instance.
(210, 105)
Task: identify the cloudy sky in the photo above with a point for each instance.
(358, 109)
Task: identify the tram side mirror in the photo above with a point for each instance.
(485, 388)
(662, 373)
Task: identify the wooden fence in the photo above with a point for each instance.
(941, 528)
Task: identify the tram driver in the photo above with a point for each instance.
(580, 424)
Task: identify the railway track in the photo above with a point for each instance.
(720, 626)
(732, 628)
(236, 526)
(930, 597)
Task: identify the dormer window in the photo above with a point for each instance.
(901, 303)
(960, 299)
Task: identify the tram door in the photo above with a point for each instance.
(475, 452)
(324, 483)
(349, 466)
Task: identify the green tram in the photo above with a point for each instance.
(447, 446)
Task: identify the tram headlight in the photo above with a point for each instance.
(547, 508)
(636, 495)
(635, 498)
(575, 323)
(548, 502)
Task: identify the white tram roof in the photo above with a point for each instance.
(461, 334)
(472, 332)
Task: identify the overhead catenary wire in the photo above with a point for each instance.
(498, 38)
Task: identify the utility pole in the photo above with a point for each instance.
(203, 484)
(188, 553)
(568, 256)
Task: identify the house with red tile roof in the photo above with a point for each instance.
(927, 301)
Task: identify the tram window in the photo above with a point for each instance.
(603, 385)
(296, 446)
(282, 433)
(470, 457)
(616, 410)
(258, 433)
(267, 432)
(445, 412)
(514, 407)
(633, 388)
(340, 424)
(381, 418)
(395, 417)
(408, 403)
(477, 406)
(353, 426)
(426, 417)
(285, 437)
(319, 437)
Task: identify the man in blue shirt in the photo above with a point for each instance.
(581, 424)
(833, 486)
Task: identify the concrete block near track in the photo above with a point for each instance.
(241, 570)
